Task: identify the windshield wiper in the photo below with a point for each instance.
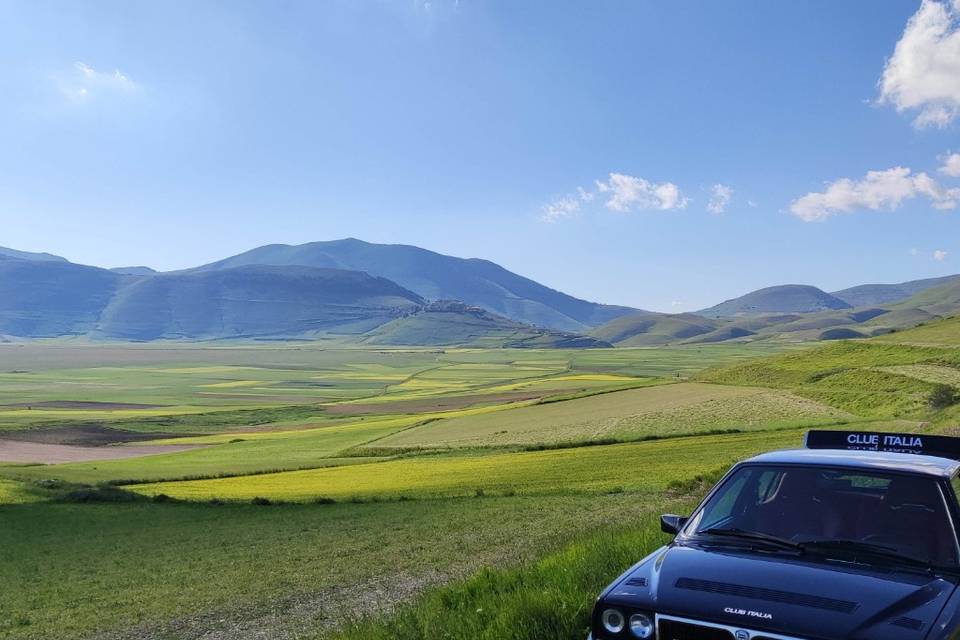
(753, 536)
(865, 547)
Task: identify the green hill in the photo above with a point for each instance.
(945, 332)
(648, 328)
(788, 298)
(446, 323)
(868, 295)
(889, 377)
(435, 276)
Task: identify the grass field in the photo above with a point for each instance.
(643, 466)
(864, 378)
(657, 411)
(176, 571)
(330, 484)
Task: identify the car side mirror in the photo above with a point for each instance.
(670, 523)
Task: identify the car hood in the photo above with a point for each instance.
(796, 596)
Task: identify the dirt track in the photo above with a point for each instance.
(16, 451)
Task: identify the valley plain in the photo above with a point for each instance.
(359, 492)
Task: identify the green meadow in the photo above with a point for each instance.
(320, 491)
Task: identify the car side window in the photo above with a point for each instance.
(956, 485)
(727, 503)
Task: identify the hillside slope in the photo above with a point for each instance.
(47, 298)
(253, 301)
(436, 276)
(447, 323)
(648, 328)
(879, 294)
(29, 255)
(788, 298)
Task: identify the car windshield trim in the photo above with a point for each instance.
(858, 546)
(751, 536)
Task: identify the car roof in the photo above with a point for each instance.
(870, 460)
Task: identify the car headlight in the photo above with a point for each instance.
(612, 621)
(641, 625)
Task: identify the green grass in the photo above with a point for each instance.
(937, 333)
(550, 598)
(864, 377)
(12, 492)
(70, 571)
(658, 411)
(646, 466)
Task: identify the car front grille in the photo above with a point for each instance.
(676, 628)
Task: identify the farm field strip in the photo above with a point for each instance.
(651, 411)
(646, 466)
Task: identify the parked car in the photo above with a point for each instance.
(853, 538)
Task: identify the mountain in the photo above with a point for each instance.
(648, 328)
(452, 323)
(134, 271)
(878, 294)
(788, 298)
(435, 276)
(46, 298)
(27, 255)
(49, 298)
(254, 301)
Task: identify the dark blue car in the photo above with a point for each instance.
(854, 538)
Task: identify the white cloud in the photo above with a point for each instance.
(923, 75)
(939, 255)
(951, 165)
(627, 193)
(85, 83)
(720, 195)
(914, 252)
(752, 204)
(878, 190)
(560, 208)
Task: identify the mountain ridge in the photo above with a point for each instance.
(437, 276)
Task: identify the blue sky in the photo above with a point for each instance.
(663, 155)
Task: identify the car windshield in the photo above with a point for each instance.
(834, 509)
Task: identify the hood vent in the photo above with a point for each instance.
(909, 623)
(770, 595)
(636, 582)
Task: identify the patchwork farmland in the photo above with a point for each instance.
(322, 491)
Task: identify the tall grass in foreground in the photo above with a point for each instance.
(550, 599)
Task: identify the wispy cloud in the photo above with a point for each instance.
(951, 165)
(622, 193)
(720, 195)
(939, 255)
(923, 74)
(627, 193)
(565, 207)
(878, 190)
(84, 83)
